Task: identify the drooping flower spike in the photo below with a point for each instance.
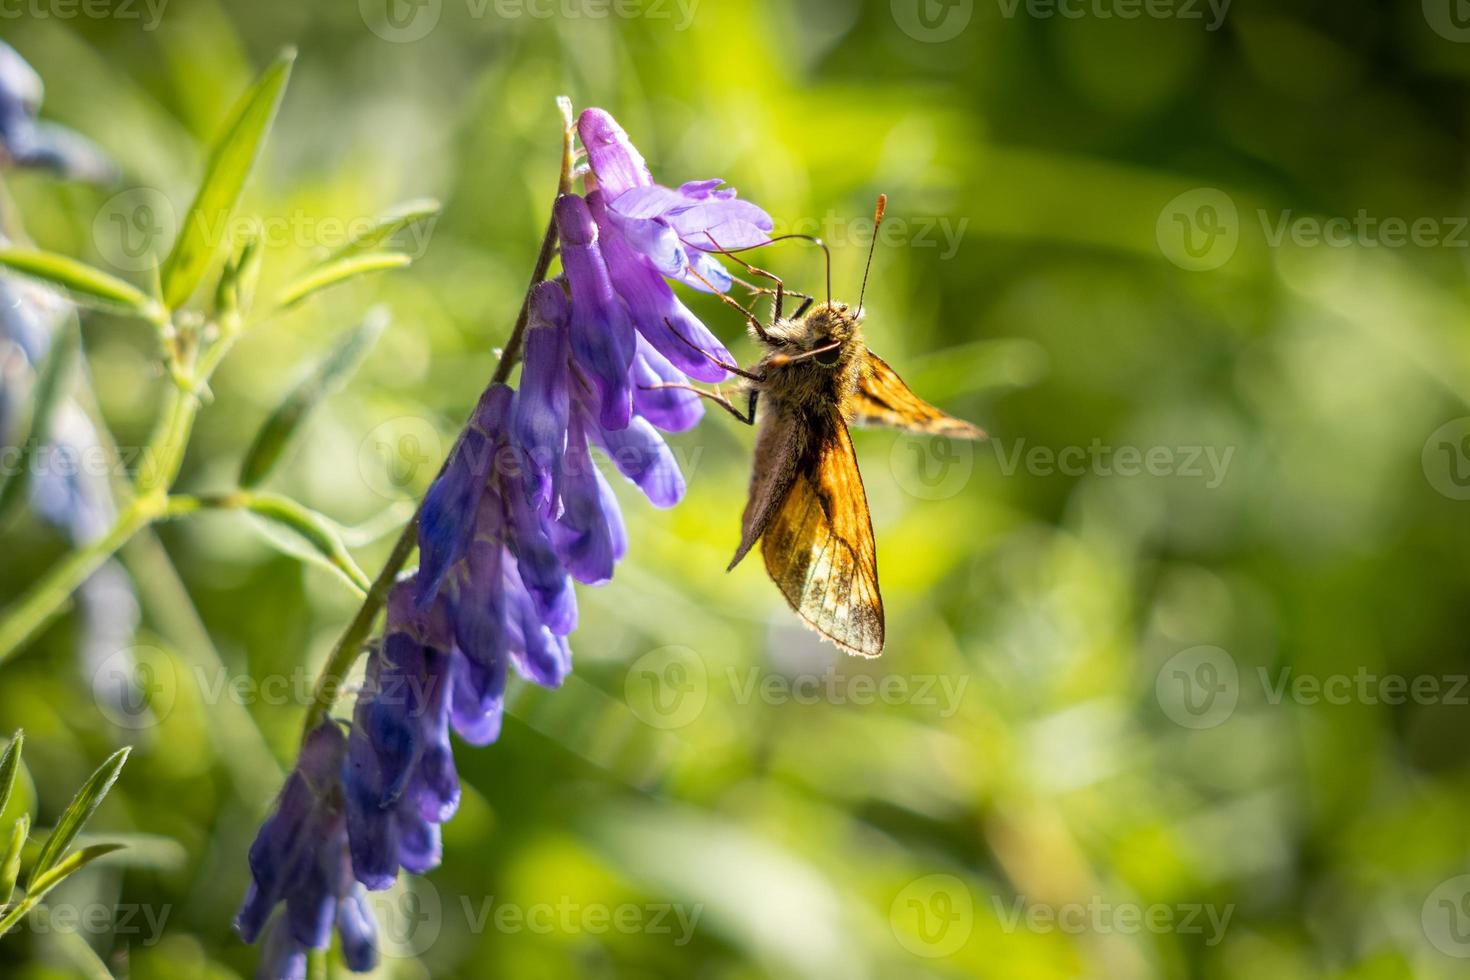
(518, 513)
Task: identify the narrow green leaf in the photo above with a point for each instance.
(316, 531)
(388, 224)
(80, 810)
(85, 283)
(10, 860)
(275, 435)
(338, 271)
(50, 385)
(9, 766)
(65, 868)
(230, 163)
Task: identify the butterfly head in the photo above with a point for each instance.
(828, 329)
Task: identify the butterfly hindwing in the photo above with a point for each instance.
(883, 399)
(818, 545)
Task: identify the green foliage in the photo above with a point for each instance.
(230, 161)
(54, 864)
(328, 375)
(84, 283)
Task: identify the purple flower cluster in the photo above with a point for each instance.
(518, 514)
(26, 141)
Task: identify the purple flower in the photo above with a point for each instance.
(672, 229)
(300, 857)
(601, 332)
(518, 513)
(25, 141)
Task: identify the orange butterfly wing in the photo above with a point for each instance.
(884, 399)
(818, 546)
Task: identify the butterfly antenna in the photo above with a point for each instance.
(873, 245)
(827, 252)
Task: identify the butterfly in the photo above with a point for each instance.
(807, 506)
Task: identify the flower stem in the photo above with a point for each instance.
(350, 644)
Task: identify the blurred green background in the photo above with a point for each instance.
(1143, 708)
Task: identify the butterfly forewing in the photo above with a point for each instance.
(883, 399)
(818, 545)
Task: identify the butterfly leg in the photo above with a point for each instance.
(732, 368)
(717, 397)
(779, 291)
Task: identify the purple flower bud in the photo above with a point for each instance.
(540, 655)
(616, 162)
(447, 519)
(541, 571)
(287, 852)
(601, 333)
(435, 782)
(541, 407)
(358, 929)
(282, 958)
(589, 536)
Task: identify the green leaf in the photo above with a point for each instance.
(50, 385)
(338, 271)
(65, 868)
(10, 860)
(275, 435)
(230, 163)
(82, 806)
(85, 283)
(317, 532)
(388, 224)
(9, 766)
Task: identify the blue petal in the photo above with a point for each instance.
(540, 569)
(358, 929)
(584, 535)
(657, 313)
(642, 456)
(671, 409)
(541, 406)
(601, 333)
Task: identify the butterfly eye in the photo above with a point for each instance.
(829, 358)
